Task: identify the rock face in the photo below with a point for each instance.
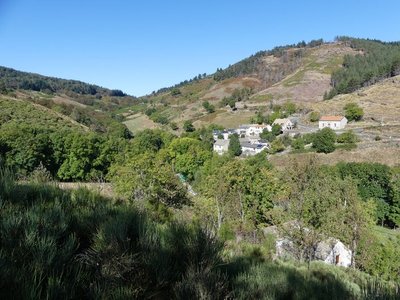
(334, 252)
(331, 250)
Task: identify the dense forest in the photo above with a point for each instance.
(377, 60)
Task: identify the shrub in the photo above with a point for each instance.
(175, 92)
(298, 144)
(208, 107)
(314, 116)
(276, 146)
(348, 137)
(173, 126)
(324, 140)
(353, 112)
(188, 126)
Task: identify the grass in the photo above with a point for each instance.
(294, 79)
(262, 98)
(226, 119)
(139, 122)
(385, 234)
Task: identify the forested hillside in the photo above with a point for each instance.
(33, 137)
(377, 60)
(88, 94)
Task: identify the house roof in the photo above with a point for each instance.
(252, 146)
(281, 121)
(245, 126)
(331, 118)
(221, 142)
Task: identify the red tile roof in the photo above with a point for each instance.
(331, 118)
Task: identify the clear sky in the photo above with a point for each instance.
(141, 46)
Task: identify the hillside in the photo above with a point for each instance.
(299, 73)
(75, 93)
(89, 105)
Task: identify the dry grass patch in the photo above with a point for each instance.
(139, 122)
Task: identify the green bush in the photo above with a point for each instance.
(208, 107)
(353, 112)
(347, 137)
(298, 144)
(188, 126)
(324, 140)
(314, 116)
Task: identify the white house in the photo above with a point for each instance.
(249, 149)
(285, 124)
(252, 129)
(221, 146)
(225, 134)
(333, 122)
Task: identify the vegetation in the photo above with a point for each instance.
(278, 112)
(314, 116)
(348, 137)
(208, 107)
(324, 140)
(30, 137)
(271, 135)
(185, 222)
(234, 145)
(353, 112)
(11, 80)
(252, 64)
(188, 126)
(378, 60)
(92, 247)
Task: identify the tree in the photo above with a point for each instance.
(289, 108)
(276, 146)
(271, 135)
(276, 129)
(324, 140)
(373, 182)
(394, 214)
(314, 116)
(188, 126)
(322, 205)
(228, 101)
(234, 145)
(208, 107)
(187, 155)
(117, 93)
(175, 92)
(347, 137)
(148, 177)
(353, 112)
(298, 144)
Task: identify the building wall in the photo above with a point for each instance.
(335, 125)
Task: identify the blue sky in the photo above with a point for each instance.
(141, 46)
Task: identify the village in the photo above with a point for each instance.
(249, 134)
